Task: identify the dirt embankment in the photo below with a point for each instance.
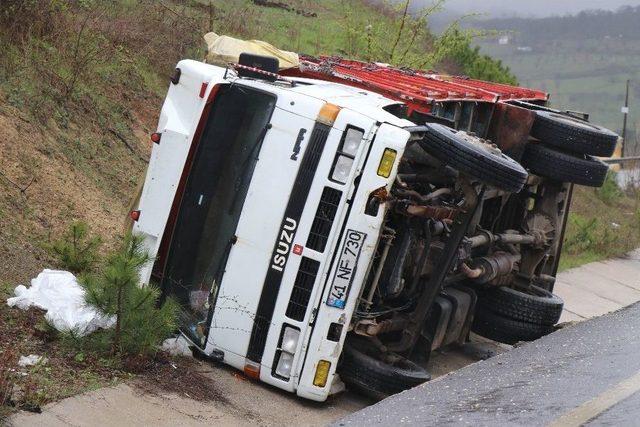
(45, 185)
(80, 91)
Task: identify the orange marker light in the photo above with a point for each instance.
(328, 114)
(252, 370)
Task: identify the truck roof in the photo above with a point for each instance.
(363, 101)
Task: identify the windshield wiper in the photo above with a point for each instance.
(243, 174)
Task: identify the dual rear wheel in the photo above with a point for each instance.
(510, 315)
(565, 152)
(566, 149)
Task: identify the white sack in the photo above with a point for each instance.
(177, 346)
(59, 293)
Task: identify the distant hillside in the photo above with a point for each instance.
(583, 61)
(588, 25)
(531, 9)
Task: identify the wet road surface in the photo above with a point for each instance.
(585, 373)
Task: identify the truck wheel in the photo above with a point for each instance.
(572, 134)
(375, 378)
(473, 157)
(535, 306)
(505, 330)
(565, 167)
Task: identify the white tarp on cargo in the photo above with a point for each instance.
(59, 293)
(221, 50)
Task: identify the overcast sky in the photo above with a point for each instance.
(499, 8)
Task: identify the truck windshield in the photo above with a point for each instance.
(212, 201)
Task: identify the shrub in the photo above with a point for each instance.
(36, 389)
(24, 18)
(409, 42)
(77, 250)
(609, 192)
(141, 324)
(581, 233)
(8, 359)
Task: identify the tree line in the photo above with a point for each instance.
(590, 24)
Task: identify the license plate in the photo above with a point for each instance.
(346, 268)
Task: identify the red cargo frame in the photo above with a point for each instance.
(418, 89)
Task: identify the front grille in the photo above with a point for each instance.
(302, 288)
(323, 220)
(295, 206)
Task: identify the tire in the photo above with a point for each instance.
(531, 106)
(505, 330)
(473, 157)
(572, 134)
(543, 308)
(375, 378)
(565, 167)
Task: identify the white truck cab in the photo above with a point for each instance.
(256, 209)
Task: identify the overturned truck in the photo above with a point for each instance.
(342, 220)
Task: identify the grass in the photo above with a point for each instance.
(69, 370)
(325, 34)
(603, 223)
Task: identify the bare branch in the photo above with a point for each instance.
(400, 30)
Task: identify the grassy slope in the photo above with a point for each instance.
(325, 34)
(65, 373)
(602, 224)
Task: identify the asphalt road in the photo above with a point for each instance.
(588, 373)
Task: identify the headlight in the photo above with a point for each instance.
(290, 340)
(342, 169)
(285, 362)
(352, 139)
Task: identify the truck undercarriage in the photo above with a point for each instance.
(450, 242)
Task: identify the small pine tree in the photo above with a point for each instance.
(141, 325)
(76, 250)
